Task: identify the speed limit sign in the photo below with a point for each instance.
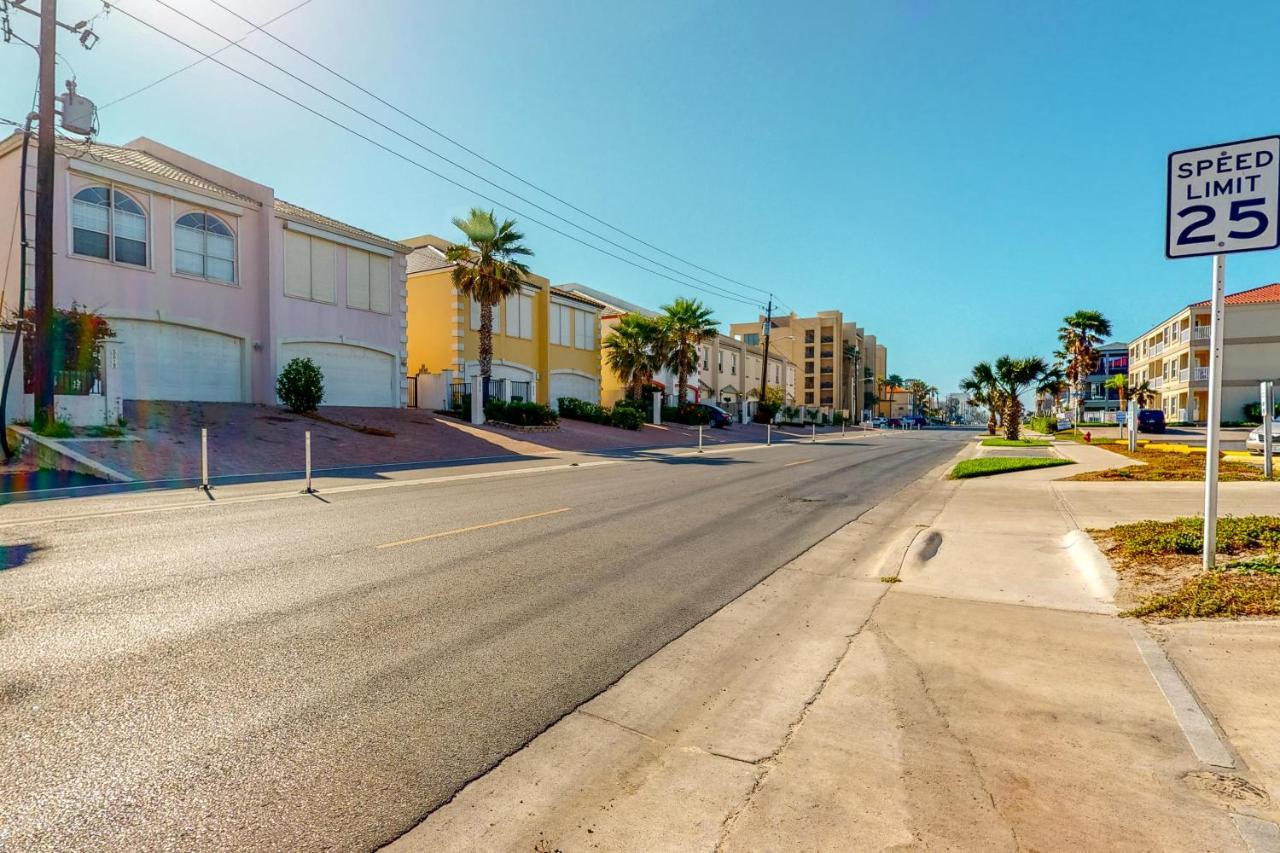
(1224, 198)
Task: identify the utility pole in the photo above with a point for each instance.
(764, 367)
(43, 349)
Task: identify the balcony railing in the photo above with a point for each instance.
(1184, 374)
(1199, 374)
(1156, 382)
(1157, 349)
(1184, 336)
(1200, 333)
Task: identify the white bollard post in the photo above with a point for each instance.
(813, 433)
(657, 407)
(204, 459)
(1132, 425)
(768, 435)
(842, 428)
(1268, 405)
(308, 437)
(699, 438)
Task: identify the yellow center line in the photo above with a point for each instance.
(800, 462)
(444, 533)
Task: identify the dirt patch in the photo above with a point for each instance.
(1170, 466)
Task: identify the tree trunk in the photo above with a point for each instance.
(1013, 419)
(486, 339)
(991, 421)
(682, 376)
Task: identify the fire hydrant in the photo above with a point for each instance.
(1088, 437)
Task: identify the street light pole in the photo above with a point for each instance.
(43, 349)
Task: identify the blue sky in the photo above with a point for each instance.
(956, 177)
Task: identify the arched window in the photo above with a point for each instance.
(107, 223)
(205, 246)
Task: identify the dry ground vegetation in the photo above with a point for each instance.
(1163, 465)
(1159, 566)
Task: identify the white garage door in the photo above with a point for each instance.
(162, 361)
(572, 385)
(353, 376)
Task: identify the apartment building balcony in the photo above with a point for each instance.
(1156, 382)
(1200, 333)
(1199, 374)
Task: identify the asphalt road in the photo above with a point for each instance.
(320, 674)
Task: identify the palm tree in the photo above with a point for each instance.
(1080, 334)
(1014, 376)
(686, 323)
(487, 269)
(1118, 382)
(1142, 393)
(634, 350)
(893, 382)
(1051, 385)
(984, 390)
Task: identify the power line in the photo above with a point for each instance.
(423, 166)
(176, 72)
(724, 291)
(480, 156)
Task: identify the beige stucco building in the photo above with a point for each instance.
(1173, 356)
(828, 374)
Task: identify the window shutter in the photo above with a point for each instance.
(297, 264)
(324, 257)
(358, 279)
(526, 316)
(379, 284)
(475, 313)
(513, 315)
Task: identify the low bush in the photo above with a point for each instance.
(55, 428)
(1253, 412)
(300, 385)
(1185, 535)
(626, 414)
(1045, 424)
(1225, 593)
(520, 413)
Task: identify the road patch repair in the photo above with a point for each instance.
(990, 698)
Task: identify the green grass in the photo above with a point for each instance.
(104, 431)
(1015, 442)
(989, 465)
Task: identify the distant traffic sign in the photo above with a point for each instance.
(1224, 198)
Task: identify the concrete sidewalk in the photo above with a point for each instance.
(986, 699)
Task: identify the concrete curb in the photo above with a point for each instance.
(57, 455)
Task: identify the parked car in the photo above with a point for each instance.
(719, 417)
(1150, 420)
(879, 423)
(1254, 442)
(894, 423)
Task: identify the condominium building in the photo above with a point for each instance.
(1173, 356)
(1101, 404)
(823, 349)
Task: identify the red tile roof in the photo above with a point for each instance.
(1253, 296)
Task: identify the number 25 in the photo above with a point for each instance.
(1239, 213)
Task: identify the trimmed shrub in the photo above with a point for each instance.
(520, 413)
(1253, 412)
(300, 385)
(626, 417)
(690, 414)
(625, 414)
(1046, 424)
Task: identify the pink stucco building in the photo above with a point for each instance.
(210, 282)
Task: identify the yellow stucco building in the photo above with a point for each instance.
(546, 341)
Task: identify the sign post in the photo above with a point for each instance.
(1221, 199)
(1131, 422)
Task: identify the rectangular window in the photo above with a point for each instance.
(310, 266)
(561, 325)
(733, 364)
(475, 313)
(519, 310)
(583, 328)
(808, 367)
(368, 281)
(808, 339)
